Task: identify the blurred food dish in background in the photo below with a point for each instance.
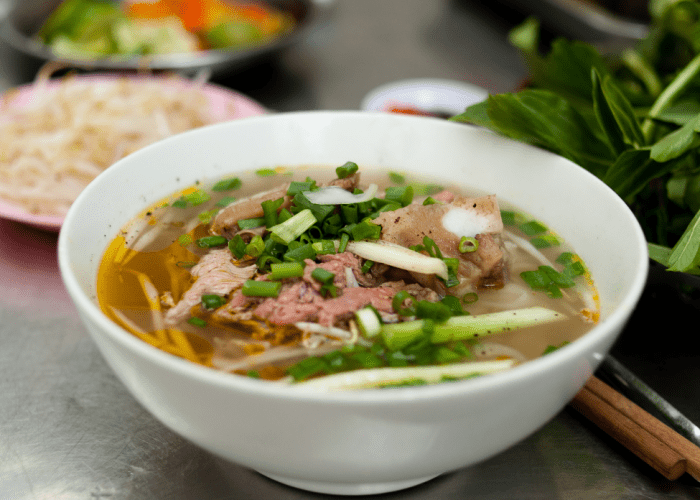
(429, 97)
(95, 28)
(56, 135)
(590, 20)
(156, 35)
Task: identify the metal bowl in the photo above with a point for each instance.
(18, 29)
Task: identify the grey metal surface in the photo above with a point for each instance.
(68, 428)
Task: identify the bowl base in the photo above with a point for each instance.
(348, 488)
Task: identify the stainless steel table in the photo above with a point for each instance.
(68, 428)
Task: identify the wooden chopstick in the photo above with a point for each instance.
(658, 445)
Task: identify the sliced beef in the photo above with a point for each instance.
(348, 183)
(445, 224)
(226, 221)
(300, 298)
(215, 273)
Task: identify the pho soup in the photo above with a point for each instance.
(341, 278)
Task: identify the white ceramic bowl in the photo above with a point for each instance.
(367, 441)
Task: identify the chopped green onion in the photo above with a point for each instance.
(298, 187)
(429, 201)
(344, 239)
(532, 228)
(292, 228)
(184, 240)
(181, 202)
(253, 288)
(366, 266)
(346, 170)
(284, 215)
(453, 304)
(556, 277)
(284, 270)
(511, 218)
(251, 223)
(545, 241)
(444, 355)
(211, 241)
(470, 297)
(398, 300)
(396, 336)
(237, 246)
(565, 258)
(436, 311)
(397, 178)
(212, 301)
(307, 368)
(368, 321)
(255, 247)
(367, 360)
(300, 253)
(270, 211)
(227, 184)
(468, 244)
(225, 201)
(197, 322)
(324, 247)
(326, 279)
(552, 348)
(400, 194)
(197, 197)
(366, 230)
(350, 213)
(265, 172)
(206, 217)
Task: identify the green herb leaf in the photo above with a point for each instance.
(685, 254)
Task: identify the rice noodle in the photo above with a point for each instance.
(329, 331)
(528, 247)
(274, 355)
(53, 146)
(493, 350)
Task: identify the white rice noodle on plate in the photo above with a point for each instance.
(57, 135)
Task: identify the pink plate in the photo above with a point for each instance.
(225, 104)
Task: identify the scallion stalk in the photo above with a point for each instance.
(253, 288)
(291, 229)
(378, 377)
(284, 270)
(368, 321)
(467, 327)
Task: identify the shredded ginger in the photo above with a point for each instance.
(52, 147)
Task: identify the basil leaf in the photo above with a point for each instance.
(659, 253)
(567, 69)
(678, 142)
(685, 254)
(631, 172)
(681, 112)
(623, 113)
(545, 119)
(606, 117)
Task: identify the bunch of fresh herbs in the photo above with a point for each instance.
(632, 119)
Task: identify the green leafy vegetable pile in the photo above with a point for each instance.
(632, 119)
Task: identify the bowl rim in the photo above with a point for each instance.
(265, 389)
